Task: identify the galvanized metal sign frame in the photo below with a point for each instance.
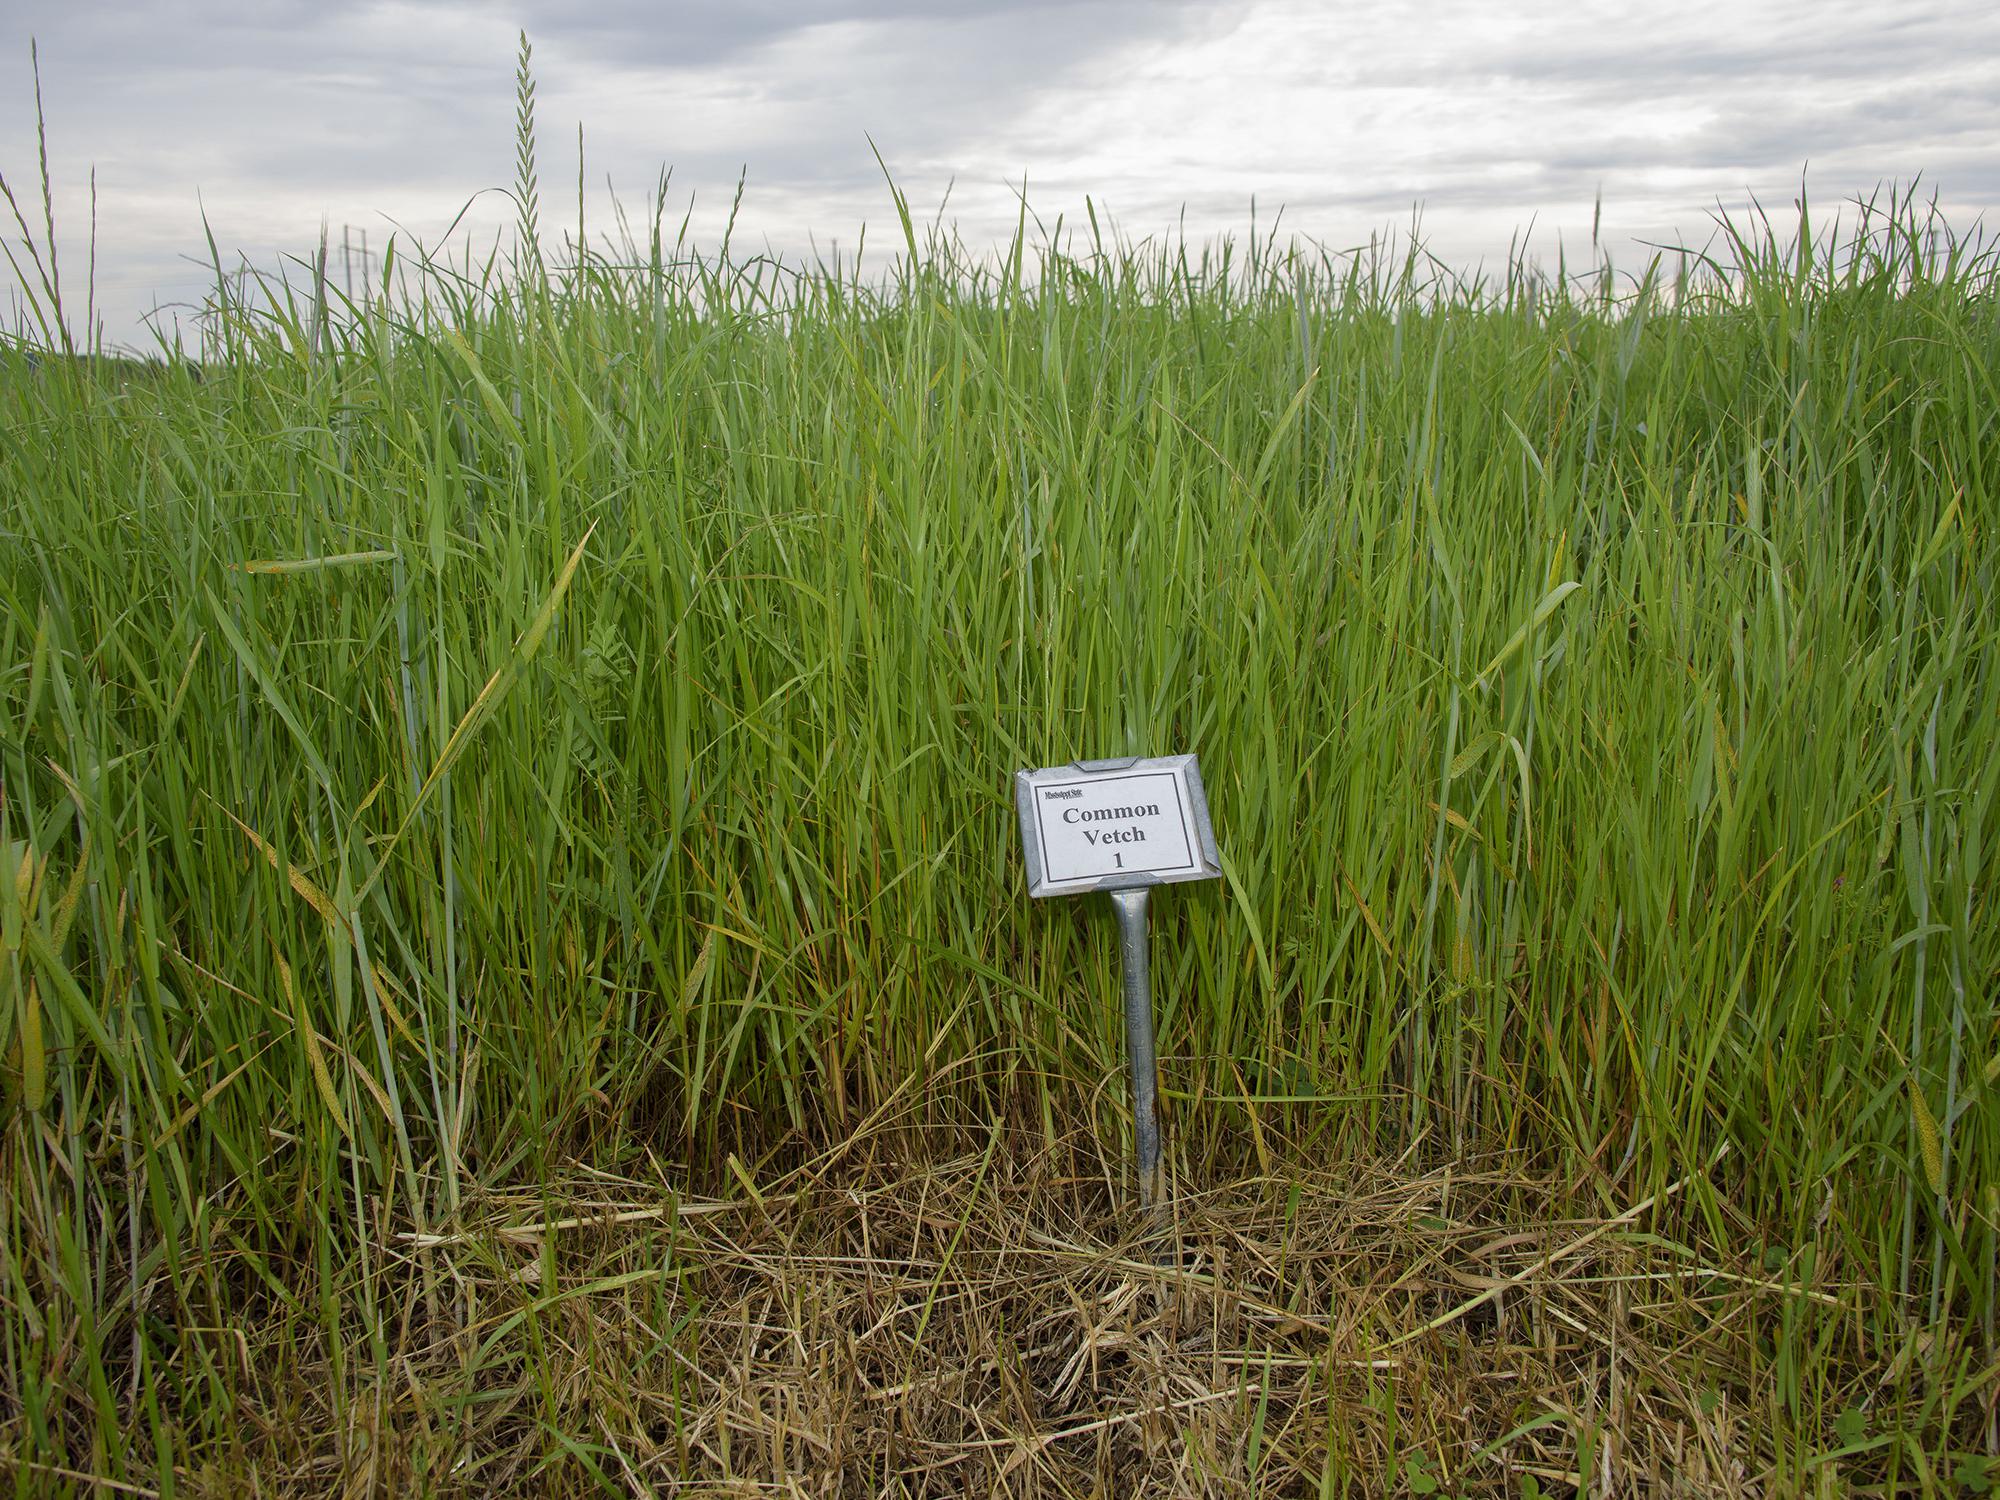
(1118, 801)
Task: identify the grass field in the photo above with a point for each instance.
(516, 971)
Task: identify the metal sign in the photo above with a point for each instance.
(1107, 825)
(1121, 827)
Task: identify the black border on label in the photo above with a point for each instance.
(1192, 862)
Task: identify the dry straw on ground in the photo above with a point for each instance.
(993, 1322)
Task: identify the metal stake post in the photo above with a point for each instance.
(1122, 827)
(1132, 948)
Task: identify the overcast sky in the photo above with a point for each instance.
(269, 115)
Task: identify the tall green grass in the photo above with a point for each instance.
(534, 716)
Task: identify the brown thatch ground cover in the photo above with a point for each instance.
(974, 1311)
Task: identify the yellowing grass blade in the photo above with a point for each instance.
(34, 1055)
(1929, 1146)
(313, 896)
(315, 1054)
(208, 1096)
(314, 564)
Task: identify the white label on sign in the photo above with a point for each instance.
(1097, 826)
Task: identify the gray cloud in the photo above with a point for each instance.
(683, 35)
(1791, 42)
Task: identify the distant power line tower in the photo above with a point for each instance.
(354, 256)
